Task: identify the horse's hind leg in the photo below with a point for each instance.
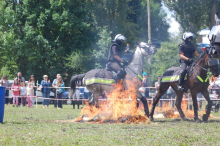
(209, 107)
(162, 89)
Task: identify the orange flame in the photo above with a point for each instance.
(121, 106)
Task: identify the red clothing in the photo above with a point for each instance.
(16, 88)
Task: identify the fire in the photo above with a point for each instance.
(121, 106)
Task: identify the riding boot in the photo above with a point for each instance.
(181, 81)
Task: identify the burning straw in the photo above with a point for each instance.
(120, 107)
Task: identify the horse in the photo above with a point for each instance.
(197, 81)
(133, 70)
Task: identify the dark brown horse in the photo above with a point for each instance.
(197, 81)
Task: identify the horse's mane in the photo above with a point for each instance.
(200, 57)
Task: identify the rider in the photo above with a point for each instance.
(114, 57)
(186, 51)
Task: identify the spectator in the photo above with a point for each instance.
(76, 97)
(20, 79)
(86, 96)
(59, 91)
(144, 91)
(54, 90)
(5, 82)
(171, 94)
(145, 83)
(46, 90)
(23, 94)
(127, 49)
(29, 92)
(199, 96)
(157, 85)
(15, 89)
(32, 81)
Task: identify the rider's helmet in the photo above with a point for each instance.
(118, 39)
(188, 35)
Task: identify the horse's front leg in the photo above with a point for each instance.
(195, 105)
(205, 117)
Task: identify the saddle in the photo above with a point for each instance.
(172, 74)
(101, 76)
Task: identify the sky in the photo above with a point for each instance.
(174, 25)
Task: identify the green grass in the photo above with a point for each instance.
(31, 126)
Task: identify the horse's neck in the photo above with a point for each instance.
(203, 63)
(137, 62)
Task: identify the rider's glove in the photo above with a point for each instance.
(190, 60)
(125, 62)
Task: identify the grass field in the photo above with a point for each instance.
(43, 126)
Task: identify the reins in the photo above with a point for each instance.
(205, 69)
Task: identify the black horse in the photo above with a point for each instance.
(197, 81)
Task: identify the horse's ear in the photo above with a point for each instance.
(137, 43)
(217, 20)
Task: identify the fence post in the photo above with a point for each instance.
(2, 103)
(36, 101)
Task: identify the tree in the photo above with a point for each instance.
(100, 53)
(44, 33)
(166, 57)
(159, 22)
(194, 15)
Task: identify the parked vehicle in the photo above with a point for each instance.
(201, 45)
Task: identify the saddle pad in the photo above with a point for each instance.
(171, 75)
(101, 76)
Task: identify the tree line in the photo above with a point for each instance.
(73, 36)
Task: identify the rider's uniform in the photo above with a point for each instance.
(188, 50)
(113, 63)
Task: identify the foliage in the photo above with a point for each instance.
(46, 37)
(44, 33)
(78, 63)
(159, 22)
(100, 53)
(166, 57)
(193, 15)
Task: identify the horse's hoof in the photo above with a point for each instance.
(185, 119)
(205, 118)
(198, 120)
(151, 119)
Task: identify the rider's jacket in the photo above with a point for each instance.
(187, 49)
(114, 49)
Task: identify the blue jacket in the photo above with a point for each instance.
(61, 90)
(44, 85)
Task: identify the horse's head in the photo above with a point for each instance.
(213, 65)
(214, 37)
(146, 49)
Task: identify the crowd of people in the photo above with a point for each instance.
(23, 94)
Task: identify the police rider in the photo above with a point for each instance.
(186, 51)
(114, 57)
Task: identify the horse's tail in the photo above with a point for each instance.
(75, 80)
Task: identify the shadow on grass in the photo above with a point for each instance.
(17, 123)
